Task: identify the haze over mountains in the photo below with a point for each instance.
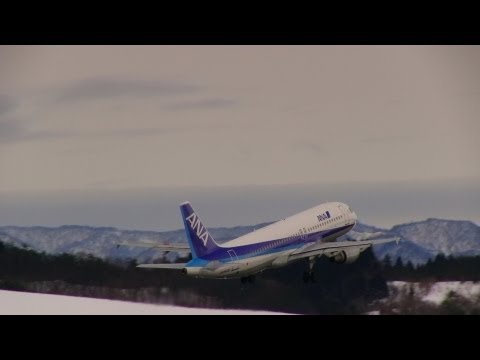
(421, 240)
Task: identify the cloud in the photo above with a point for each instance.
(137, 132)
(14, 131)
(214, 103)
(11, 131)
(102, 88)
(389, 139)
(312, 147)
(6, 104)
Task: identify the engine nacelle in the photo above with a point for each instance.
(280, 261)
(192, 271)
(346, 256)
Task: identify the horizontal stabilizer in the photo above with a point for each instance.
(165, 247)
(163, 266)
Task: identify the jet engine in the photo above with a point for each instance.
(346, 256)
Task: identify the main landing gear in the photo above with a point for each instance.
(309, 276)
(250, 279)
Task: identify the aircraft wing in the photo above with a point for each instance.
(177, 266)
(332, 248)
(360, 236)
(164, 247)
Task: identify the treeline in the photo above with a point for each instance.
(441, 268)
(339, 289)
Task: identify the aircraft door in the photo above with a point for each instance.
(233, 255)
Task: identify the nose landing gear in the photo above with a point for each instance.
(309, 276)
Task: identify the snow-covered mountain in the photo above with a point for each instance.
(407, 250)
(423, 240)
(420, 240)
(102, 241)
(442, 236)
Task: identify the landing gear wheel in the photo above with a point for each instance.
(309, 276)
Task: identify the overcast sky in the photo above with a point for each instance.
(79, 120)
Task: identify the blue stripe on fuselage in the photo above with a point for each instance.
(268, 247)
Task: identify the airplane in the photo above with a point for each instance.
(305, 235)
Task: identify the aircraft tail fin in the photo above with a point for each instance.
(200, 241)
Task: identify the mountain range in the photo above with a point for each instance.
(420, 241)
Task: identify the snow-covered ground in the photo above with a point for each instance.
(437, 292)
(23, 303)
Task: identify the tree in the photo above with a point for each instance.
(387, 262)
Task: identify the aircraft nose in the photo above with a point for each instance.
(354, 215)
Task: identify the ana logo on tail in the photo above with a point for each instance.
(197, 226)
